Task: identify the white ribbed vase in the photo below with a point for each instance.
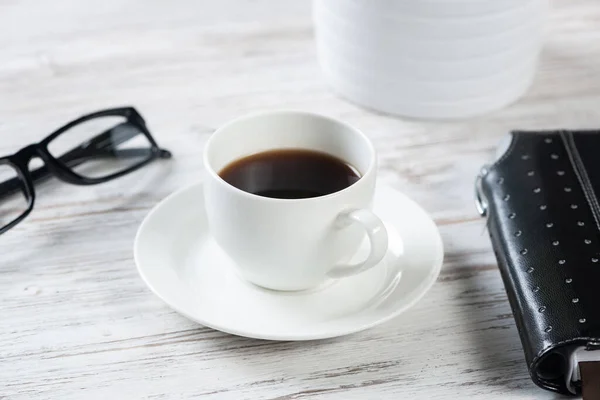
(435, 59)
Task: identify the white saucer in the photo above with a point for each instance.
(181, 264)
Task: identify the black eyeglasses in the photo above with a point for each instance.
(92, 149)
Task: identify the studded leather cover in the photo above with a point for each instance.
(544, 224)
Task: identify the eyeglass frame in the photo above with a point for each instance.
(58, 168)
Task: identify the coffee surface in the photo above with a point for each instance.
(290, 174)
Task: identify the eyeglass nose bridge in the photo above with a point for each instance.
(23, 182)
(24, 156)
(21, 160)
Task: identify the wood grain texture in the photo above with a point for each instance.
(77, 322)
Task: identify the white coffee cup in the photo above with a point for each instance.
(293, 244)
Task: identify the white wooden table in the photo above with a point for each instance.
(76, 321)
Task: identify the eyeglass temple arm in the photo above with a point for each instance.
(99, 146)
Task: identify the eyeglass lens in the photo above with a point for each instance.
(101, 146)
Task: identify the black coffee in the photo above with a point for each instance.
(290, 174)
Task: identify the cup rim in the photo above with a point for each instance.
(269, 113)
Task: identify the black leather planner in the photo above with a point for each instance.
(541, 198)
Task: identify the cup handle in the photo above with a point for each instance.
(378, 238)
